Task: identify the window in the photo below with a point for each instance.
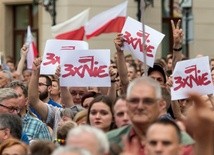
(24, 15)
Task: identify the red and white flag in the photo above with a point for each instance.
(72, 29)
(111, 20)
(32, 50)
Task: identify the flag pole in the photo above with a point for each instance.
(142, 3)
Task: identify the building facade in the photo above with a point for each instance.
(16, 15)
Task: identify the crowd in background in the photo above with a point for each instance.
(134, 116)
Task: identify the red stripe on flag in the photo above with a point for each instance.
(114, 25)
(77, 34)
(35, 51)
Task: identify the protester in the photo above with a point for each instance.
(14, 147)
(5, 78)
(10, 127)
(41, 147)
(67, 115)
(132, 72)
(100, 113)
(81, 117)
(158, 73)
(121, 112)
(163, 137)
(9, 105)
(48, 113)
(87, 98)
(26, 76)
(144, 102)
(62, 132)
(90, 138)
(33, 127)
(68, 150)
(55, 91)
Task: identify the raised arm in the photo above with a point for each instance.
(66, 97)
(177, 42)
(23, 53)
(33, 95)
(112, 90)
(200, 122)
(121, 63)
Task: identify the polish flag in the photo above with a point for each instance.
(72, 29)
(108, 21)
(32, 50)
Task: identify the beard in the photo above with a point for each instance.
(43, 95)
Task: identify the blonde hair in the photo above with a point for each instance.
(80, 115)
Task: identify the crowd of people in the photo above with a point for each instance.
(135, 116)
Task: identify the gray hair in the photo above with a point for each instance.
(7, 93)
(17, 83)
(68, 149)
(12, 122)
(145, 80)
(8, 75)
(98, 134)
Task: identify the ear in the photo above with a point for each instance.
(162, 105)
(49, 88)
(6, 134)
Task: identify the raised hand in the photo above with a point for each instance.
(36, 64)
(200, 123)
(24, 50)
(177, 34)
(118, 41)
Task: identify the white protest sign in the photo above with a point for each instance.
(132, 33)
(83, 68)
(53, 48)
(191, 76)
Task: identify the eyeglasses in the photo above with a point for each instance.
(74, 93)
(147, 101)
(11, 109)
(42, 84)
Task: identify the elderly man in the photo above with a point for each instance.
(144, 102)
(90, 138)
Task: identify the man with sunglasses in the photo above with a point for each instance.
(144, 102)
